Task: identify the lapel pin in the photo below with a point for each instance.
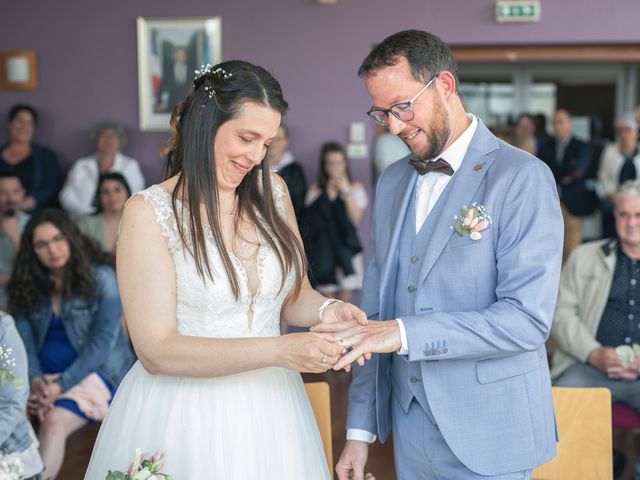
(477, 166)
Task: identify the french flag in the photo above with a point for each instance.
(154, 63)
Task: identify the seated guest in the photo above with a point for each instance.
(36, 166)
(334, 208)
(620, 161)
(79, 190)
(284, 163)
(64, 297)
(113, 192)
(12, 222)
(18, 443)
(568, 158)
(525, 133)
(598, 307)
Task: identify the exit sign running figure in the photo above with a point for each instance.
(517, 11)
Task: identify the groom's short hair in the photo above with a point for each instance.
(426, 53)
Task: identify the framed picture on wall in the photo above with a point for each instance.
(169, 50)
(18, 70)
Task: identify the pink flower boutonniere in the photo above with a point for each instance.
(471, 221)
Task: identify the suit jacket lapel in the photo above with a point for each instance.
(389, 271)
(459, 192)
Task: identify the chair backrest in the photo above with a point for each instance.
(320, 399)
(584, 450)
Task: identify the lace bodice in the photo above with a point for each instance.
(208, 308)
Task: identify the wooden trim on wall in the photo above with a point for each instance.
(546, 53)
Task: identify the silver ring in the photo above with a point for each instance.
(324, 358)
(341, 340)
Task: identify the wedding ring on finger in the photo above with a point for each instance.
(324, 358)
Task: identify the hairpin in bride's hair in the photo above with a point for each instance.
(220, 73)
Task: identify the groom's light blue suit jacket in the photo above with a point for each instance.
(490, 301)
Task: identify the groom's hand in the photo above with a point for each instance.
(362, 341)
(351, 464)
(346, 315)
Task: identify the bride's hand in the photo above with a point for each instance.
(343, 312)
(308, 352)
(361, 341)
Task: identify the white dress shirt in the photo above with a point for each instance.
(79, 189)
(428, 190)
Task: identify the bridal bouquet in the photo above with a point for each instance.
(10, 467)
(141, 469)
(6, 362)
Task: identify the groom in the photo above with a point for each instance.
(465, 260)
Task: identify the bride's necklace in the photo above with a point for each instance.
(232, 212)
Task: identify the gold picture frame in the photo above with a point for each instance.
(18, 70)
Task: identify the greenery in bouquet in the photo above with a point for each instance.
(142, 469)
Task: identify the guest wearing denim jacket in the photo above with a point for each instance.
(17, 440)
(64, 296)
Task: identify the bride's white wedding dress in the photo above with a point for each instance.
(248, 426)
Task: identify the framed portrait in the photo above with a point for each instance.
(169, 50)
(18, 70)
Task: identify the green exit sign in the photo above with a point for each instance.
(517, 11)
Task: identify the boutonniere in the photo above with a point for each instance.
(471, 221)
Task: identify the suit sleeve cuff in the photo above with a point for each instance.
(404, 349)
(360, 435)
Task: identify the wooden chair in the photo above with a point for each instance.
(584, 427)
(320, 399)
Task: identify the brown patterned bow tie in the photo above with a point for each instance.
(439, 165)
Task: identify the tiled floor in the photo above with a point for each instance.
(380, 456)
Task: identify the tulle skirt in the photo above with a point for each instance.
(249, 426)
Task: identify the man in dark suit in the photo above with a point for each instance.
(569, 159)
(176, 82)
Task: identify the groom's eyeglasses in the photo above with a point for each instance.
(402, 111)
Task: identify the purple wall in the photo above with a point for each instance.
(88, 68)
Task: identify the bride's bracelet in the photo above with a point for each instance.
(325, 304)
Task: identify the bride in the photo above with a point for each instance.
(208, 262)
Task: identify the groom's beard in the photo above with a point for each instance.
(438, 133)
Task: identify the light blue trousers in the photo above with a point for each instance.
(421, 452)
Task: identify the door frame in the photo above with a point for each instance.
(617, 63)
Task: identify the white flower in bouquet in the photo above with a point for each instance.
(10, 468)
(7, 361)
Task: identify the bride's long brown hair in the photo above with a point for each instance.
(190, 153)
